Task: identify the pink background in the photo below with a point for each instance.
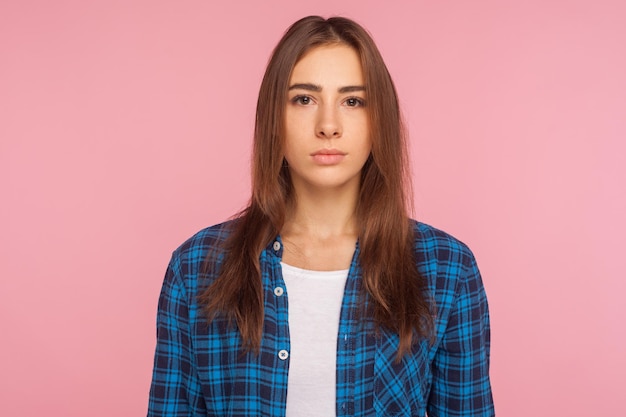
(125, 127)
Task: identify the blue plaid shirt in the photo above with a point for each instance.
(200, 370)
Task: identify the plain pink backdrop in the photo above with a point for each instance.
(125, 127)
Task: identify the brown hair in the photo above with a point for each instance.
(386, 236)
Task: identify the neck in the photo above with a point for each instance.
(322, 213)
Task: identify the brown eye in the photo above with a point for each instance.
(354, 102)
(304, 100)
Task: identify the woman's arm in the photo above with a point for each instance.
(461, 384)
(175, 390)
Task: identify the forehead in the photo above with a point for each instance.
(329, 64)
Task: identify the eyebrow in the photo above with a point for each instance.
(317, 88)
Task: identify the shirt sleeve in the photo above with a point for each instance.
(460, 385)
(175, 389)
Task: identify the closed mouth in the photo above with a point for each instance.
(328, 152)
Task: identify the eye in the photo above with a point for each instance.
(355, 102)
(303, 100)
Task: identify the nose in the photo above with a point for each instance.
(328, 123)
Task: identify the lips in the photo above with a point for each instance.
(328, 156)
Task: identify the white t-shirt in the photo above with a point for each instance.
(314, 299)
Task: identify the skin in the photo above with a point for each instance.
(327, 142)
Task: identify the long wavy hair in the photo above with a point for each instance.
(397, 293)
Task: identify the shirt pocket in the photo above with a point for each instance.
(401, 388)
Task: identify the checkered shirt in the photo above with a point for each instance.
(200, 370)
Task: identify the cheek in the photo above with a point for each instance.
(365, 135)
(290, 133)
(367, 150)
(295, 125)
(360, 125)
(291, 150)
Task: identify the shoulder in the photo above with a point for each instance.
(447, 263)
(436, 244)
(206, 240)
(187, 264)
(451, 272)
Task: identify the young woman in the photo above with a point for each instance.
(322, 297)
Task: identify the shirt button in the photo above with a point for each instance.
(277, 246)
(283, 354)
(278, 291)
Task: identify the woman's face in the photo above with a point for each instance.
(327, 137)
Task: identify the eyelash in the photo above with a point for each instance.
(358, 102)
